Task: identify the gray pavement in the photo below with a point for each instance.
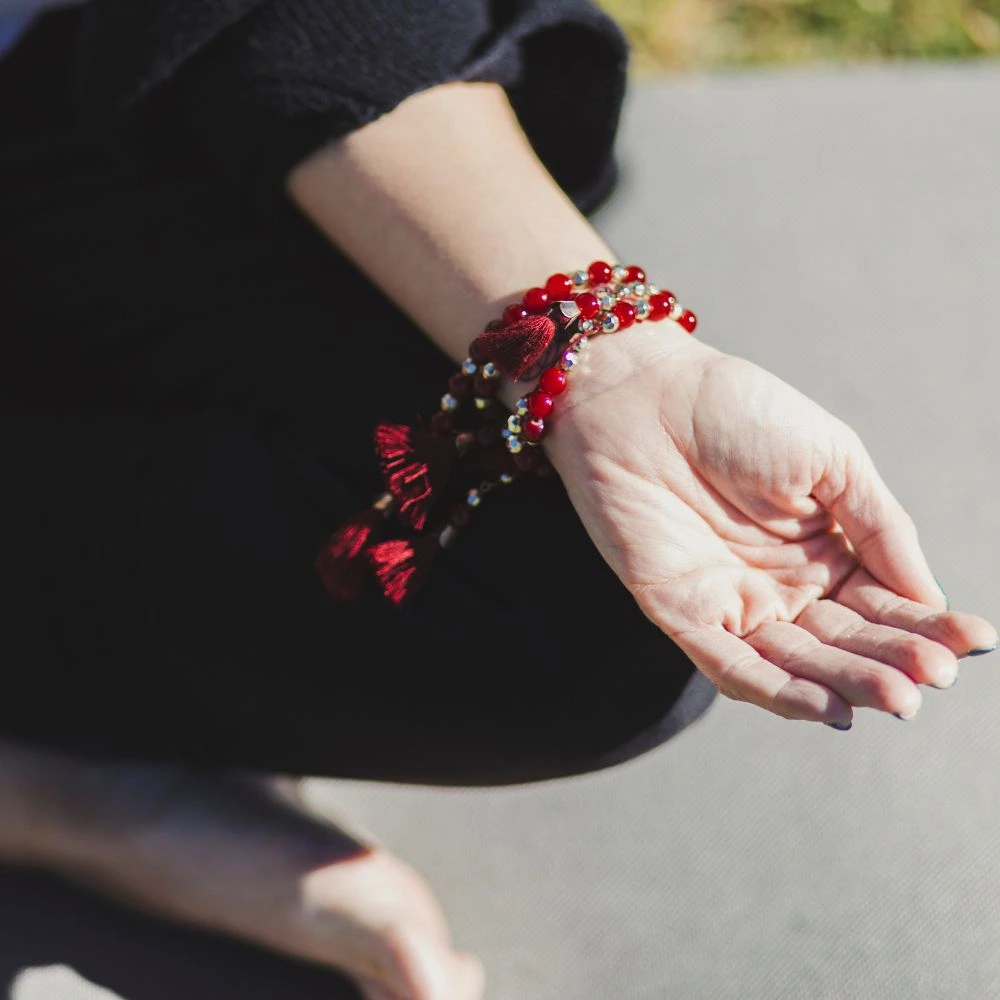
(842, 229)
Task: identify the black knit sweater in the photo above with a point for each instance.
(262, 83)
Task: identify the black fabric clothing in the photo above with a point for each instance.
(180, 437)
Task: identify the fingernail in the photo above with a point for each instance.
(947, 600)
(841, 727)
(945, 687)
(906, 718)
(981, 650)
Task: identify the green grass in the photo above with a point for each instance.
(685, 34)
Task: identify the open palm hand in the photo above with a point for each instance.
(752, 527)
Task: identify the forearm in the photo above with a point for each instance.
(444, 205)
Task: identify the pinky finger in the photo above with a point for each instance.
(742, 674)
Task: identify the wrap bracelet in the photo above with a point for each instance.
(435, 475)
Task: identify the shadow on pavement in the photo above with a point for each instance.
(44, 922)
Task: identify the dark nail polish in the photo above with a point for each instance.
(841, 727)
(905, 718)
(981, 651)
(947, 599)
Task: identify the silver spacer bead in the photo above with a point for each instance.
(514, 424)
(639, 290)
(605, 299)
(490, 370)
(521, 407)
(609, 324)
(586, 325)
(676, 311)
(652, 289)
(469, 367)
(473, 499)
(579, 278)
(619, 273)
(449, 402)
(642, 309)
(514, 445)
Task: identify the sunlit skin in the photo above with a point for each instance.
(752, 527)
(748, 524)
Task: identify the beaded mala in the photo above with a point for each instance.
(436, 475)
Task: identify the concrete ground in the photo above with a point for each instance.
(841, 228)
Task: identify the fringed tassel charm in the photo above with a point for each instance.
(401, 564)
(415, 465)
(342, 563)
(515, 347)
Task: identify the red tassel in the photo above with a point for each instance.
(401, 564)
(341, 563)
(514, 348)
(415, 465)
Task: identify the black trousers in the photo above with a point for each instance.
(189, 385)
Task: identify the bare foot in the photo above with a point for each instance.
(238, 856)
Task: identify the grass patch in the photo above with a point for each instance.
(687, 34)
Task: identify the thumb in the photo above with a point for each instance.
(880, 531)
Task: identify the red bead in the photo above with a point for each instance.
(540, 404)
(688, 320)
(484, 386)
(635, 274)
(487, 434)
(625, 312)
(552, 381)
(514, 312)
(536, 300)
(460, 385)
(528, 460)
(533, 429)
(441, 422)
(660, 304)
(558, 287)
(599, 272)
(589, 306)
(460, 515)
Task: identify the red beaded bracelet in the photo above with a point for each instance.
(465, 453)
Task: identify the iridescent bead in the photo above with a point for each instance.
(676, 311)
(568, 359)
(605, 299)
(580, 344)
(506, 478)
(448, 402)
(619, 273)
(469, 367)
(514, 424)
(587, 325)
(579, 278)
(473, 499)
(639, 290)
(652, 289)
(609, 324)
(642, 309)
(521, 406)
(490, 370)
(514, 445)
(482, 403)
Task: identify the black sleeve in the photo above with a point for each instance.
(263, 83)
